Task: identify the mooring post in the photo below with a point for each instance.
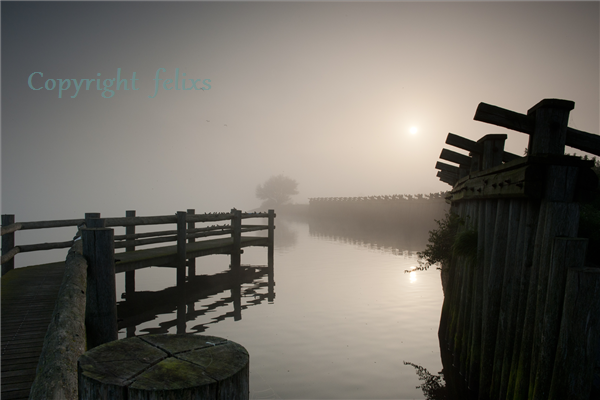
(182, 366)
(101, 301)
(181, 248)
(236, 235)
(192, 261)
(8, 243)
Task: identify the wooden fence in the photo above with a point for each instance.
(395, 211)
(522, 319)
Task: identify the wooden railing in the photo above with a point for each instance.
(130, 240)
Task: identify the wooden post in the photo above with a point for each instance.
(509, 370)
(236, 235)
(192, 261)
(270, 258)
(130, 275)
(550, 132)
(101, 302)
(8, 243)
(270, 248)
(578, 339)
(562, 219)
(181, 248)
(493, 149)
(474, 361)
(566, 253)
(491, 305)
(165, 367)
(508, 292)
(89, 217)
(519, 381)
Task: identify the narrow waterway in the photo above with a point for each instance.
(343, 320)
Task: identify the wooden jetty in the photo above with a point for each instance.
(522, 320)
(51, 313)
(28, 297)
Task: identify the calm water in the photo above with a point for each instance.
(344, 320)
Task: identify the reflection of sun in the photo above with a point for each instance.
(413, 275)
(413, 130)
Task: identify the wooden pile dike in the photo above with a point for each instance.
(522, 320)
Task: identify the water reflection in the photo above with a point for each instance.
(246, 282)
(388, 238)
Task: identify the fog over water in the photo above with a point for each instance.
(325, 93)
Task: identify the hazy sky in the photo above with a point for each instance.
(322, 92)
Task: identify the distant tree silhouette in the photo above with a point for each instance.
(277, 190)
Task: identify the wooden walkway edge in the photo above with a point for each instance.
(27, 302)
(166, 256)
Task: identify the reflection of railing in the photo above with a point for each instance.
(141, 307)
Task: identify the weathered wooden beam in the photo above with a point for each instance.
(455, 157)
(490, 114)
(444, 177)
(56, 375)
(8, 256)
(526, 181)
(11, 228)
(45, 246)
(446, 167)
(464, 143)
(51, 224)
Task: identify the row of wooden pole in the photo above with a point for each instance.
(519, 322)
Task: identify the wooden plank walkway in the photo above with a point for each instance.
(28, 297)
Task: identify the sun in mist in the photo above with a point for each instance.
(413, 130)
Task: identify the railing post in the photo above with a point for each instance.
(130, 275)
(8, 242)
(236, 235)
(181, 248)
(192, 261)
(271, 236)
(101, 302)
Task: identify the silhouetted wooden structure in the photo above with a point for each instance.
(522, 320)
(93, 261)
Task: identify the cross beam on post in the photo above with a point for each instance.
(495, 115)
